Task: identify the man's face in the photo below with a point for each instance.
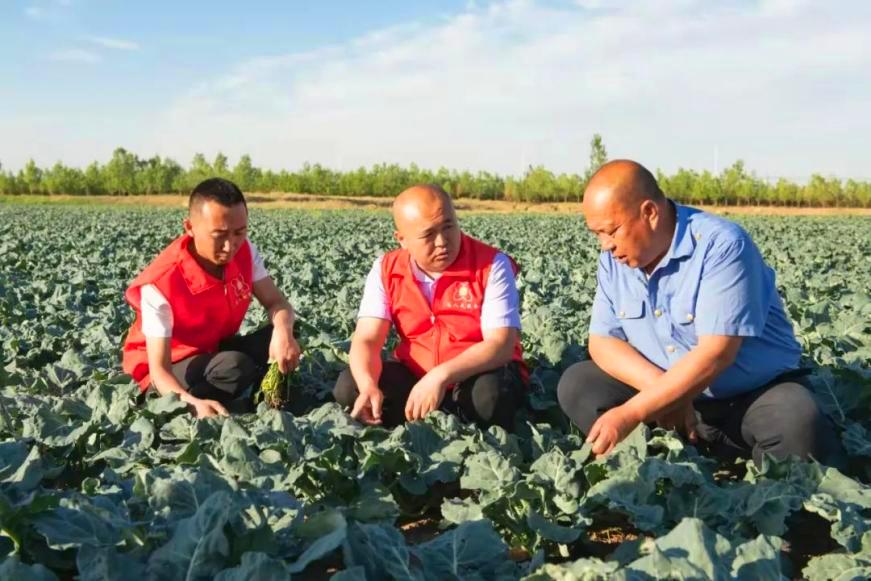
(627, 233)
(218, 231)
(432, 237)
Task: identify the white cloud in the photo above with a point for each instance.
(783, 84)
(75, 55)
(113, 43)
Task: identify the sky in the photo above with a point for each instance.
(784, 85)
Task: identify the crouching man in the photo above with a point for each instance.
(191, 300)
(454, 304)
(687, 330)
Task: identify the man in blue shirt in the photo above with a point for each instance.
(687, 330)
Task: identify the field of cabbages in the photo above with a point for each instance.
(94, 485)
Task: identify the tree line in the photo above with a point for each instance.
(128, 174)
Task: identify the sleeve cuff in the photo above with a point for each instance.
(731, 330)
(500, 323)
(615, 332)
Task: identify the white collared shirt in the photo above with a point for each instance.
(501, 306)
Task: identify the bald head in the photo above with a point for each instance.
(426, 226)
(626, 210)
(420, 201)
(621, 184)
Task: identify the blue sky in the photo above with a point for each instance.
(783, 84)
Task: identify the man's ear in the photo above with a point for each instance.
(650, 211)
(188, 226)
(399, 238)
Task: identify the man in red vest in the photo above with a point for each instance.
(190, 302)
(453, 302)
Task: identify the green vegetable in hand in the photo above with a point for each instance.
(275, 387)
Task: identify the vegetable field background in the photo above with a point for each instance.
(94, 485)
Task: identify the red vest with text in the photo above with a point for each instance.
(428, 334)
(205, 309)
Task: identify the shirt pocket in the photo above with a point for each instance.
(683, 310)
(631, 314)
(683, 316)
(630, 309)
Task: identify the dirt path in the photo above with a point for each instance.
(314, 202)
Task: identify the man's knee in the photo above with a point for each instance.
(231, 371)
(345, 389)
(789, 422)
(576, 393)
(495, 398)
(486, 393)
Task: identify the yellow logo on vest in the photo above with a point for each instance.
(462, 298)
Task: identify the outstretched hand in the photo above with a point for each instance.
(367, 406)
(426, 396)
(610, 429)
(206, 408)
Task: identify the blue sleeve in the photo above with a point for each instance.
(735, 290)
(501, 306)
(604, 319)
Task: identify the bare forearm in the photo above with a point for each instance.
(282, 315)
(682, 382)
(621, 361)
(165, 383)
(481, 357)
(365, 359)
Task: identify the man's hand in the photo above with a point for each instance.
(206, 408)
(682, 419)
(367, 406)
(283, 349)
(426, 395)
(610, 429)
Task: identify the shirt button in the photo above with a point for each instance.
(657, 312)
(622, 314)
(690, 317)
(670, 348)
(698, 236)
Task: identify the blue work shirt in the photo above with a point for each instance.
(712, 281)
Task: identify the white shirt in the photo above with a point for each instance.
(501, 306)
(157, 314)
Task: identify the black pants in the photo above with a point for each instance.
(780, 418)
(240, 362)
(490, 398)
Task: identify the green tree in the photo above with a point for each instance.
(94, 184)
(30, 178)
(598, 158)
(246, 176)
(119, 175)
(221, 166)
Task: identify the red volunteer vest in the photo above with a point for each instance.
(431, 335)
(205, 309)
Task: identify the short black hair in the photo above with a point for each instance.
(217, 190)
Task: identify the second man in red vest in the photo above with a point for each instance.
(454, 304)
(191, 300)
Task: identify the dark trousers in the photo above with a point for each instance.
(780, 418)
(241, 361)
(490, 398)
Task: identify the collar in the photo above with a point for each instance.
(682, 242)
(420, 275)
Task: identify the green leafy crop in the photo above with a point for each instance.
(96, 484)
